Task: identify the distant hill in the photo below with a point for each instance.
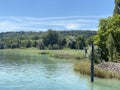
(38, 35)
(72, 39)
(84, 33)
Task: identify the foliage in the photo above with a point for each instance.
(109, 30)
(101, 37)
(117, 7)
(110, 46)
(41, 45)
(28, 44)
(55, 47)
(80, 42)
(50, 38)
(84, 33)
(44, 40)
(89, 40)
(1, 45)
(71, 42)
(62, 42)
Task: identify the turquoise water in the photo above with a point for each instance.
(40, 72)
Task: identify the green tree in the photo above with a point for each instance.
(117, 7)
(28, 44)
(35, 37)
(71, 42)
(55, 47)
(110, 46)
(50, 38)
(41, 45)
(109, 30)
(80, 42)
(62, 42)
(35, 43)
(101, 37)
(88, 41)
(1, 45)
(113, 28)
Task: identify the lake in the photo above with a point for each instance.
(40, 72)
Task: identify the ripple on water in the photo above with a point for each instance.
(34, 72)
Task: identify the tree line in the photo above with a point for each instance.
(51, 39)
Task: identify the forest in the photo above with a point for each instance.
(50, 39)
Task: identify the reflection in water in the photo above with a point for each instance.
(39, 72)
(92, 86)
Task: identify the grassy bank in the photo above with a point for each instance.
(84, 68)
(68, 54)
(65, 54)
(23, 50)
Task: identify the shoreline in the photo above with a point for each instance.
(103, 70)
(110, 66)
(62, 54)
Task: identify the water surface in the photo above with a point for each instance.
(40, 72)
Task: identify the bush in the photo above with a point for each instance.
(41, 45)
(55, 47)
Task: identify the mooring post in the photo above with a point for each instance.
(92, 63)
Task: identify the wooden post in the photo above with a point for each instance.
(92, 63)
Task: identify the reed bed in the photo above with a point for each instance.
(84, 68)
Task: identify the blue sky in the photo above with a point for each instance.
(40, 15)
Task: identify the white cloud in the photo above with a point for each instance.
(72, 26)
(41, 24)
(8, 26)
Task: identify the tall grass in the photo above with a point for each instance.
(23, 50)
(64, 54)
(68, 54)
(84, 68)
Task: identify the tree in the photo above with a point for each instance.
(62, 42)
(101, 37)
(35, 37)
(113, 28)
(71, 42)
(117, 7)
(80, 42)
(41, 45)
(109, 30)
(28, 44)
(110, 46)
(89, 41)
(50, 38)
(1, 45)
(55, 47)
(31, 39)
(35, 43)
